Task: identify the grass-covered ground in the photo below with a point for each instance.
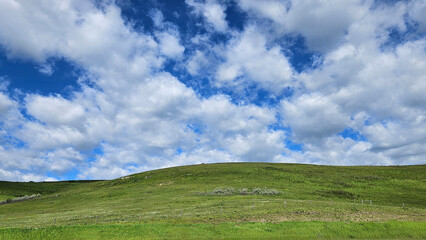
(10, 190)
(281, 230)
(224, 199)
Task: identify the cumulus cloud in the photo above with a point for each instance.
(131, 115)
(150, 134)
(23, 177)
(257, 147)
(248, 58)
(169, 45)
(336, 150)
(417, 11)
(321, 117)
(5, 104)
(212, 11)
(46, 69)
(157, 17)
(55, 110)
(224, 117)
(273, 9)
(196, 63)
(61, 160)
(322, 23)
(99, 40)
(373, 89)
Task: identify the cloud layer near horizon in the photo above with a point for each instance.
(159, 96)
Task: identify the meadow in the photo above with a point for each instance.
(225, 201)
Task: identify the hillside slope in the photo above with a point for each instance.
(228, 192)
(10, 190)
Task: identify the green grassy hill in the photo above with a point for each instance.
(223, 194)
(10, 190)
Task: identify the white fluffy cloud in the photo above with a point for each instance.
(417, 10)
(322, 23)
(325, 24)
(149, 135)
(196, 63)
(212, 11)
(321, 117)
(99, 40)
(5, 104)
(336, 150)
(248, 58)
(257, 146)
(131, 115)
(24, 177)
(55, 110)
(373, 89)
(225, 117)
(169, 45)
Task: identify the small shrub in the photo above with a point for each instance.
(223, 191)
(21, 198)
(244, 191)
(256, 191)
(269, 191)
(265, 191)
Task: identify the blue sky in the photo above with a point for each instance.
(102, 89)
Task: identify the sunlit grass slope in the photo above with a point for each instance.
(187, 195)
(264, 230)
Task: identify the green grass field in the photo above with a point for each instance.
(313, 202)
(282, 230)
